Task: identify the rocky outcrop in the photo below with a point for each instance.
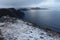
(11, 12)
(23, 30)
(20, 13)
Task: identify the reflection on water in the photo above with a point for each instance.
(45, 18)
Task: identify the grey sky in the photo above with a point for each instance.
(29, 3)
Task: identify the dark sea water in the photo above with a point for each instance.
(44, 18)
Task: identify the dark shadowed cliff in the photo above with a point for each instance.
(11, 12)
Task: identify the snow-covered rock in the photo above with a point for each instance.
(22, 30)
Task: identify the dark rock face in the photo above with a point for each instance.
(20, 14)
(11, 12)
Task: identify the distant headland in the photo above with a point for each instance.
(33, 8)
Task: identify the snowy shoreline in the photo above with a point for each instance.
(16, 29)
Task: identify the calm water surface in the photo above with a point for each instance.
(44, 18)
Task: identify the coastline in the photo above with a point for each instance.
(18, 29)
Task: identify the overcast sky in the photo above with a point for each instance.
(29, 3)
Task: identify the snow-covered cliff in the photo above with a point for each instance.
(17, 29)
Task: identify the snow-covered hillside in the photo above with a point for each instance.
(16, 29)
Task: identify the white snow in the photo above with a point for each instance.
(21, 31)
